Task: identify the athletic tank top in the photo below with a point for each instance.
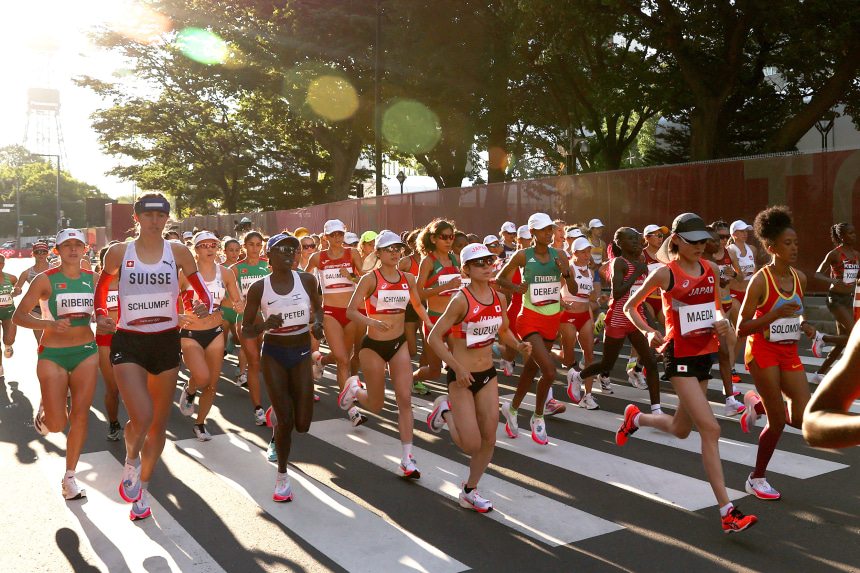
(216, 287)
(329, 272)
(653, 264)
(596, 251)
(294, 307)
(6, 289)
(443, 275)
(783, 331)
(690, 307)
(148, 294)
(746, 262)
(584, 282)
(617, 317)
(388, 298)
(70, 298)
(413, 266)
(31, 274)
(725, 264)
(544, 283)
(481, 323)
(249, 274)
(846, 269)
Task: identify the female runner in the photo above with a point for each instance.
(746, 255)
(691, 305)
(232, 250)
(339, 268)
(201, 339)
(772, 317)
(385, 293)
(410, 264)
(67, 352)
(287, 300)
(9, 288)
(40, 265)
(474, 317)
(145, 351)
(103, 341)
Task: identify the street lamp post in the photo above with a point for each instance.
(59, 217)
(401, 177)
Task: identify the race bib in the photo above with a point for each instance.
(296, 317)
(392, 301)
(245, 282)
(785, 330)
(748, 270)
(74, 305)
(697, 319)
(483, 332)
(654, 266)
(5, 300)
(541, 294)
(113, 300)
(218, 292)
(445, 279)
(150, 308)
(633, 289)
(849, 275)
(334, 282)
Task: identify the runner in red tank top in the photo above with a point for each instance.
(410, 264)
(693, 314)
(515, 300)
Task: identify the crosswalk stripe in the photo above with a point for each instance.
(117, 543)
(785, 463)
(535, 515)
(319, 515)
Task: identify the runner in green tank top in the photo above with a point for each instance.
(8, 290)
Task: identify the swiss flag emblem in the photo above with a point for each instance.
(129, 264)
(61, 286)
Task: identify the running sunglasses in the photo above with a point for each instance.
(481, 263)
(445, 236)
(660, 235)
(694, 243)
(207, 245)
(40, 252)
(309, 246)
(392, 249)
(284, 250)
(723, 237)
(492, 245)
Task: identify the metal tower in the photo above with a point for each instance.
(43, 132)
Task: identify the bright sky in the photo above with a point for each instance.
(65, 22)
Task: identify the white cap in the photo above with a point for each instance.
(205, 236)
(334, 225)
(540, 221)
(474, 251)
(67, 234)
(490, 239)
(386, 239)
(523, 232)
(509, 227)
(739, 226)
(187, 235)
(574, 233)
(581, 244)
(245, 220)
(349, 238)
(652, 228)
(595, 223)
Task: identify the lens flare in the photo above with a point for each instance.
(141, 23)
(202, 46)
(411, 127)
(332, 98)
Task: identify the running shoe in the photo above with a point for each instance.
(735, 391)
(436, 420)
(356, 417)
(129, 487)
(735, 521)
(760, 488)
(242, 380)
(410, 470)
(574, 385)
(553, 407)
(114, 432)
(474, 501)
(186, 401)
(508, 367)
(631, 364)
(347, 395)
(749, 416)
(283, 493)
(271, 453)
(202, 433)
(600, 324)
(260, 416)
(735, 378)
(316, 397)
(420, 388)
(605, 384)
(538, 425)
(733, 407)
(818, 344)
(271, 418)
(39, 420)
(140, 508)
(316, 360)
(628, 426)
(511, 426)
(637, 379)
(589, 403)
(71, 490)
(8, 352)
(816, 378)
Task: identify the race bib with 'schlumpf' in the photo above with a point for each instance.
(149, 308)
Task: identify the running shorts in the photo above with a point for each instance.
(698, 367)
(230, 315)
(530, 322)
(202, 337)
(738, 295)
(69, 357)
(385, 349)
(481, 378)
(835, 299)
(577, 319)
(104, 339)
(6, 312)
(767, 354)
(434, 318)
(617, 331)
(154, 352)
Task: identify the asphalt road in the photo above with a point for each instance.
(578, 503)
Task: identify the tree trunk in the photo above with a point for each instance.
(343, 160)
(704, 131)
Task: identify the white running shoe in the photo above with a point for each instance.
(129, 487)
(435, 420)
(39, 419)
(140, 509)
(356, 417)
(574, 386)
(409, 469)
(316, 360)
(71, 490)
(186, 401)
(508, 367)
(202, 433)
(347, 395)
(511, 426)
(474, 501)
(637, 379)
(760, 488)
(817, 378)
(589, 403)
(733, 407)
(260, 416)
(283, 492)
(538, 425)
(605, 384)
(8, 352)
(242, 379)
(818, 344)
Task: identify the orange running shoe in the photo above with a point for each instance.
(628, 428)
(735, 521)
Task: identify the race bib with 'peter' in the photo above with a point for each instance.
(334, 282)
(482, 332)
(148, 308)
(74, 305)
(392, 301)
(295, 317)
(541, 294)
(696, 319)
(785, 330)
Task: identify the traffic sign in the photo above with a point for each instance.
(8, 204)
(5, 211)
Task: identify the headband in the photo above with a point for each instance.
(151, 204)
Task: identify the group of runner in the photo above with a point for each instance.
(685, 297)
